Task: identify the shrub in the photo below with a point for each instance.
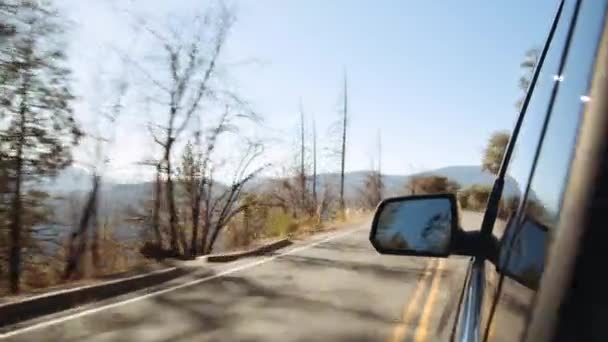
(280, 224)
(431, 185)
(474, 197)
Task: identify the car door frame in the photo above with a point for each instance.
(561, 311)
(468, 325)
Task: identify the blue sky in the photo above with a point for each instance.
(435, 77)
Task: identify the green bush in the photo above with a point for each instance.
(280, 224)
(474, 197)
(431, 185)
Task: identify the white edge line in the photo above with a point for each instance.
(176, 287)
(84, 287)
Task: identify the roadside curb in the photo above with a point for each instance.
(53, 302)
(266, 248)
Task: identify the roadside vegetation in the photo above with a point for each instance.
(204, 195)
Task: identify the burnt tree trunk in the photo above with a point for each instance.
(196, 206)
(78, 241)
(156, 209)
(170, 198)
(343, 151)
(17, 209)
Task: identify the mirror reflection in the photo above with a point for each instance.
(416, 225)
(522, 255)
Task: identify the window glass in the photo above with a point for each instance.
(520, 165)
(524, 246)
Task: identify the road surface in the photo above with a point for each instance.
(334, 287)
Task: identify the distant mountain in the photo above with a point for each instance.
(114, 195)
(68, 180)
(465, 175)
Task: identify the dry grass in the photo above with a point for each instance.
(124, 259)
(282, 225)
(44, 273)
(311, 225)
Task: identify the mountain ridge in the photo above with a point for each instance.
(77, 180)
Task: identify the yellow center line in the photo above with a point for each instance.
(409, 310)
(423, 325)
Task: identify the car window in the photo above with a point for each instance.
(527, 238)
(520, 166)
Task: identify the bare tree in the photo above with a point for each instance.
(497, 144)
(203, 204)
(190, 178)
(196, 164)
(343, 150)
(292, 189)
(302, 173)
(371, 193)
(314, 164)
(379, 146)
(527, 65)
(152, 221)
(227, 204)
(328, 196)
(210, 208)
(373, 187)
(190, 69)
(89, 216)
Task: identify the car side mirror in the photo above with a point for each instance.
(422, 225)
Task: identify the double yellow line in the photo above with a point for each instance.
(433, 268)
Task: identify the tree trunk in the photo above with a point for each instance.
(214, 235)
(205, 193)
(246, 219)
(205, 228)
(204, 235)
(195, 207)
(172, 212)
(195, 224)
(95, 255)
(156, 209)
(17, 208)
(170, 198)
(314, 165)
(15, 254)
(76, 253)
(302, 160)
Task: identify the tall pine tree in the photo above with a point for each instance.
(38, 129)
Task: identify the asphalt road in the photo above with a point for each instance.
(334, 287)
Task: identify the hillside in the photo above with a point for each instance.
(116, 195)
(466, 176)
(115, 198)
